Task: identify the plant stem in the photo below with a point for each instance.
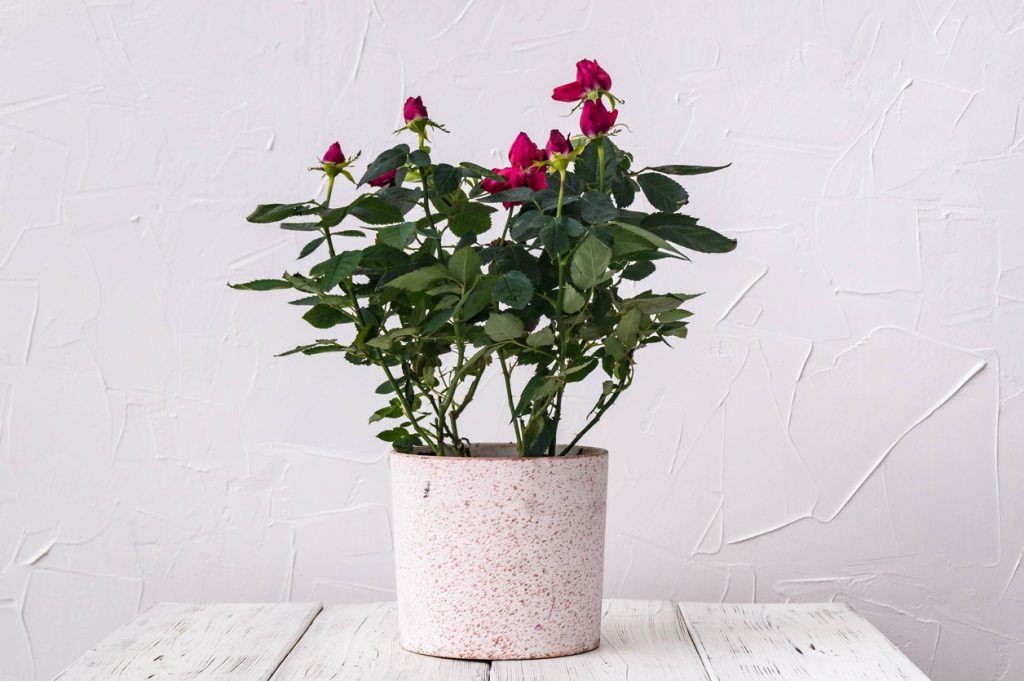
(327, 203)
(559, 322)
(407, 409)
(508, 222)
(600, 164)
(597, 416)
(511, 402)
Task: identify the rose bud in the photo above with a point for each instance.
(333, 154)
(523, 152)
(595, 119)
(414, 108)
(589, 77)
(385, 180)
(558, 144)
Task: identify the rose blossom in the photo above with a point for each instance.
(589, 77)
(333, 154)
(595, 119)
(413, 109)
(385, 180)
(557, 144)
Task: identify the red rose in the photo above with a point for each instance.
(333, 154)
(595, 119)
(413, 109)
(589, 77)
(558, 143)
(385, 180)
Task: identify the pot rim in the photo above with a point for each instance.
(581, 451)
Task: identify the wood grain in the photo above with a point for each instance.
(360, 642)
(640, 640)
(793, 642)
(179, 642)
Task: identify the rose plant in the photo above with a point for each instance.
(414, 277)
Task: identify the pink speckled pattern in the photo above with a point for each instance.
(499, 557)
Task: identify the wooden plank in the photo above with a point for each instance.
(350, 642)
(793, 642)
(640, 641)
(181, 642)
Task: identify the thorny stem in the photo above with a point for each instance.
(511, 402)
(559, 305)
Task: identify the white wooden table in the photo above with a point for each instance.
(642, 640)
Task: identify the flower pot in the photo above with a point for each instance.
(499, 557)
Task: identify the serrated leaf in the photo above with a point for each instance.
(503, 326)
(465, 217)
(385, 161)
(419, 280)
(623, 190)
(527, 225)
(516, 195)
(628, 328)
(275, 212)
(419, 158)
(324, 316)
(664, 193)
(397, 236)
(542, 338)
(474, 170)
(477, 299)
(374, 211)
(589, 262)
(465, 265)
(687, 170)
(333, 270)
(556, 235)
(512, 288)
(684, 230)
(638, 270)
(262, 285)
(436, 319)
(596, 207)
(311, 246)
(446, 179)
(572, 300)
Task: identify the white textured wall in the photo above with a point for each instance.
(846, 421)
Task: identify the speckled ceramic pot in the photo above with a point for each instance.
(499, 557)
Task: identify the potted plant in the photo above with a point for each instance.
(437, 273)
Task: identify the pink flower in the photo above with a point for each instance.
(558, 144)
(523, 152)
(385, 180)
(413, 109)
(589, 77)
(333, 154)
(595, 119)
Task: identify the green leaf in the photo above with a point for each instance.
(301, 226)
(652, 304)
(623, 190)
(516, 195)
(503, 326)
(397, 236)
(262, 285)
(436, 319)
(476, 299)
(513, 288)
(333, 270)
(446, 179)
(628, 328)
(674, 315)
(542, 443)
(687, 170)
(324, 316)
(684, 230)
(556, 235)
(586, 165)
(311, 246)
(419, 158)
(542, 338)
(474, 170)
(374, 211)
(638, 270)
(596, 207)
(468, 216)
(528, 225)
(465, 265)
(647, 235)
(385, 161)
(664, 193)
(614, 347)
(572, 300)
(275, 212)
(419, 280)
(508, 257)
(589, 262)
